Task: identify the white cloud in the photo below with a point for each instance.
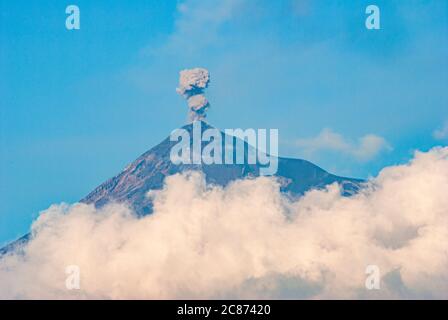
(441, 133)
(368, 146)
(248, 241)
(198, 22)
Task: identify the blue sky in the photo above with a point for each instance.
(77, 106)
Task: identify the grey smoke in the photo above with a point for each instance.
(192, 83)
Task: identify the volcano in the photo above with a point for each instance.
(149, 171)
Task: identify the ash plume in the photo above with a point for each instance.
(192, 83)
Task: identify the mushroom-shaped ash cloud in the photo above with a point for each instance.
(192, 83)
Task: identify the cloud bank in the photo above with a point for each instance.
(367, 148)
(248, 240)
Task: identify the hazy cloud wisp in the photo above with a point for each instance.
(442, 132)
(368, 146)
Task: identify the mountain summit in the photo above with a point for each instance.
(149, 170)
